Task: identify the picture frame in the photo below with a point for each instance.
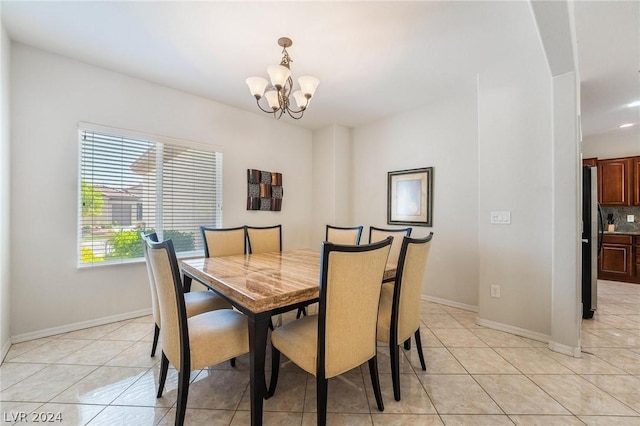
(410, 197)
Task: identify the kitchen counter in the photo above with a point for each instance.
(622, 233)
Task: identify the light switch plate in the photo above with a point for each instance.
(502, 217)
(631, 218)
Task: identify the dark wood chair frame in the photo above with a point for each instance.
(348, 228)
(261, 227)
(321, 380)
(185, 351)
(407, 231)
(203, 229)
(394, 350)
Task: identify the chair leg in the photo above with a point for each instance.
(419, 347)
(322, 386)
(375, 381)
(394, 354)
(275, 369)
(407, 344)
(164, 367)
(183, 393)
(271, 325)
(156, 334)
(232, 361)
(302, 312)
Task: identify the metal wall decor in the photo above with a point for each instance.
(264, 190)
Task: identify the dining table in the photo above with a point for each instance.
(259, 286)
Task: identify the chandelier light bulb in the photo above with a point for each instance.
(257, 86)
(272, 99)
(278, 75)
(308, 85)
(301, 100)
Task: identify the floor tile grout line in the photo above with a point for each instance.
(607, 392)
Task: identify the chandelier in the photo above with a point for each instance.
(279, 90)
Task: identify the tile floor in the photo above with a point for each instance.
(475, 376)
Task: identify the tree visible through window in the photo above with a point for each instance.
(128, 185)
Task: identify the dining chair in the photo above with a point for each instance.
(190, 343)
(264, 238)
(342, 335)
(343, 235)
(399, 313)
(224, 241)
(379, 234)
(196, 302)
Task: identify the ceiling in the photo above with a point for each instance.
(373, 59)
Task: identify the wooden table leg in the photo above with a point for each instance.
(186, 283)
(258, 326)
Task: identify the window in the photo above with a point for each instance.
(130, 182)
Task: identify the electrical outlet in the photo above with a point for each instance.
(631, 218)
(495, 290)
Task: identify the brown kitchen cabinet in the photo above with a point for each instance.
(619, 258)
(616, 260)
(590, 161)
(615, 181)
(636, 180)
(636, 249)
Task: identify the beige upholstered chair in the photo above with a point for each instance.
(343, 334)
(196, 302)
(264, 239)
(379, 234)
(190, 343)
(341, 235)
(224, 241)
(399, 314)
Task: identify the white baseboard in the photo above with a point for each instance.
(451, 303)
(514, 330)
(77, 326)
(5, 349)
(565, 349)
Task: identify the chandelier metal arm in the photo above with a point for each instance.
(262, 109)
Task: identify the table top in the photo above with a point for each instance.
(266, 281)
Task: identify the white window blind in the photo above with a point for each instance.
(133, 184)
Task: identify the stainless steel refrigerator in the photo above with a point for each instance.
(592, 229)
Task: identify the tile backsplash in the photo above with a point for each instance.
(620, 218)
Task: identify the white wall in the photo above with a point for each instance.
(566, 302)
(331, 180)
(5, 289)
(620, 143)
(443, 136)
(515, 174)
(50, 95)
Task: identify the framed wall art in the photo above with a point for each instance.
(264, 190)
(410, 197)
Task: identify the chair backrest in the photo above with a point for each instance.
(224, 241)
(405, 310)
(155, 308)
(350, 284)
(343, 235)
(174, 334)
(379, 234)
(264, 238)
